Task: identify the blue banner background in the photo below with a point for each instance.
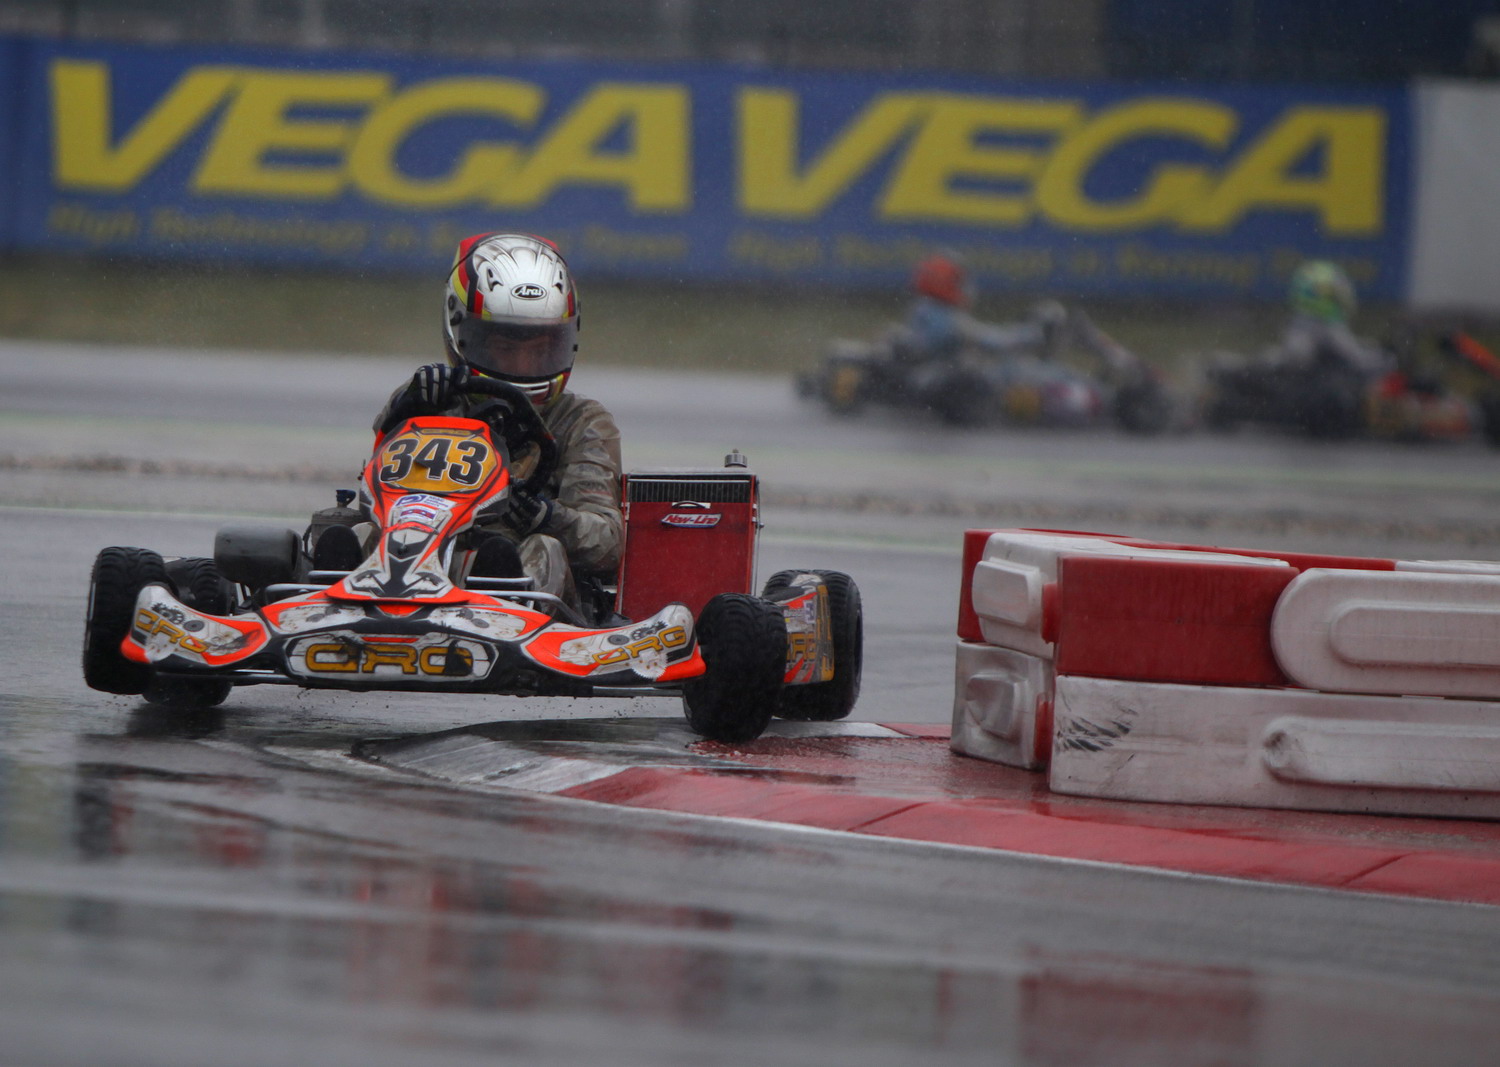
(12, 72)
(711, 235)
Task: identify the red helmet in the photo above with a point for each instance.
(942, 278)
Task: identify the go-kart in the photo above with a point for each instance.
(680, 618)
(1324, 399)
(973, 388)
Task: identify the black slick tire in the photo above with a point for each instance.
(118, 577)
(1489, 412)
(964, 400)
(833, 699)
(1333, 411)
(1143, 409)
(200, 585)
(843, 389)
(743, 642)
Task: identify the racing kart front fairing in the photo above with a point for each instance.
(399, 620)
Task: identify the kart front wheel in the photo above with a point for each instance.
(844, 389)
(833, 699)
(119, 576)
(743, 642)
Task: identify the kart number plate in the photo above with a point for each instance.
(429, 460)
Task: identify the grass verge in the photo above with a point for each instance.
(657, 324)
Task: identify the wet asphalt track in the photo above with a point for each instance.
(232, 889)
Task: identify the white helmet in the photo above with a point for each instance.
(511, 312)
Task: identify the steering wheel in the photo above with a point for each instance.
(513, 416)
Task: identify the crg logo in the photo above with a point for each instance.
(337, 657)
(528, 291)
(692, 520)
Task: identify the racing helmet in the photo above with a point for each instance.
(942, 277)
(511, 312)
(1321, 290)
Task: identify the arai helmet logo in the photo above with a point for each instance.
(528, 291)
(699, 520)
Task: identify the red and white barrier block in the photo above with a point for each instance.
(1156, 671)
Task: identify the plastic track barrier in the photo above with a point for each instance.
(1142, 670)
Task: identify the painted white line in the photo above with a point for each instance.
(137, 513)
(874, 544)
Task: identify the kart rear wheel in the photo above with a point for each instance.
(198, 584)
(1143, 408)
(1333, 411)
(743, 642)
(118, 577)
(1220, 416)
(963, 399)
(833, 699)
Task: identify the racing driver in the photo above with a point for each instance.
(940, 326)
(510, 311)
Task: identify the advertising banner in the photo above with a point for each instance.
(11, 74)
(707, 173)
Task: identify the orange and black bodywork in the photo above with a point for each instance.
(410, 615)
(399, 620)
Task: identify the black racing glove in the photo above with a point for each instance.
(530, 512)
(437, 386)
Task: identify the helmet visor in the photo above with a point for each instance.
(512, 350)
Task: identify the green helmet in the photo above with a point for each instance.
(1322, 290)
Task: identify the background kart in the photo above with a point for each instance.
(679, 617)
(1037, 388)
(1474, 361)
(1326, 400)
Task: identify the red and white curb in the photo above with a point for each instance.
(903, 782)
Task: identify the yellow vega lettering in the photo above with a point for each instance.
(85, 153)
(654, 171)
(1347, 194)
(946, 149)
(988, 160)
(1060, 188)
(372, 158)
(257, 123)
(263, 146)
(949, 149)
(770, 125)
